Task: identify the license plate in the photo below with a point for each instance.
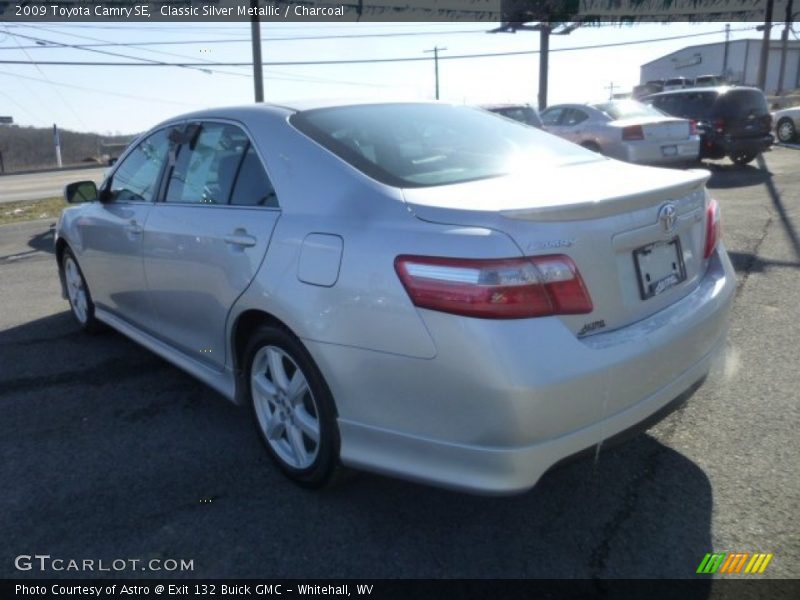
(669, 150)
(659, 267)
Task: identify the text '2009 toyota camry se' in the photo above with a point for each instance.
(417, 289)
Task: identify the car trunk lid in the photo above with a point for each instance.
(604, 215)
(658, 129)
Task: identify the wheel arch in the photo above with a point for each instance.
(245, 323)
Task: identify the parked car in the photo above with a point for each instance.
(787, 124)
(676, 83)
(708, 81)
(418, 289)
(732, 121)
(625, 129)
(524, 113)
(645, 89)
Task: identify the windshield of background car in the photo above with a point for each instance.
(419, 145)
(628, 109)
(741, 103)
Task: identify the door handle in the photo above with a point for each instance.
(133, 227)
(240, 239)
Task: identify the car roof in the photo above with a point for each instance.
(719, 89)
(283, 109)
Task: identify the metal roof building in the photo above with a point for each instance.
(738, 60)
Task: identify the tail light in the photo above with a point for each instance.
(632, 133)
(692, 127)
(713, 228)
(719, 125)
(513, 288)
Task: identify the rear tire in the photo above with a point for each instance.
(743, 158)
(292, 407)
(80, 299)
(786, 131)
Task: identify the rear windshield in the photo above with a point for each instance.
(419, 145)
(628, 109)
(742, 103)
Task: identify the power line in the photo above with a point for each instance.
(95, 91)
(55, 89)
(246, 40)
(376, 60)
(275, 75)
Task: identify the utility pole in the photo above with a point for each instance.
(762, 67)
(725, 54)
(255, 32)
(544, 55)
(57, 144)
(784, 44)
(610, 87)
(435, 51)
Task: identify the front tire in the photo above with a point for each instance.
(80, 299)
(786, 131)
(292, 407)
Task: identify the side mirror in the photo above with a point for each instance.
(80, 191)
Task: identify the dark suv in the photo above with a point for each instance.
(732, 121)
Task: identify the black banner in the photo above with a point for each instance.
(701, 588)
(506, 11)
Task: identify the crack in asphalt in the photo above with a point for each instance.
(598, 560)
(754, 258)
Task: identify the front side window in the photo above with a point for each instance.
(136, 177)
(419, 145)
(207, 164)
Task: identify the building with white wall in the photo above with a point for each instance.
(740, 65)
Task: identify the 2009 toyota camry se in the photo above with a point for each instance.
(418, 289)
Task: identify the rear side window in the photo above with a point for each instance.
(574, 116)
(742, 103)
(552, 116)
(253, 187)
(523, 114)
(418, 145)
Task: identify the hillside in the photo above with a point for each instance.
(25, 148)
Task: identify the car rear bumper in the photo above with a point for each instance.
(726, 145)
(503, 401)
(662, 153)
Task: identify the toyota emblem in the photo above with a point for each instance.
(667, 216)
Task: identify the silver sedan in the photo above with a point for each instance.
(627, 130)
(423, 290)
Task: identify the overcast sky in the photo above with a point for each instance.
(131, 99)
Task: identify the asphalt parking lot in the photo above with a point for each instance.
(108, 452)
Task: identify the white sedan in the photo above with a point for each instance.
(627, 130)
(787, 124)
